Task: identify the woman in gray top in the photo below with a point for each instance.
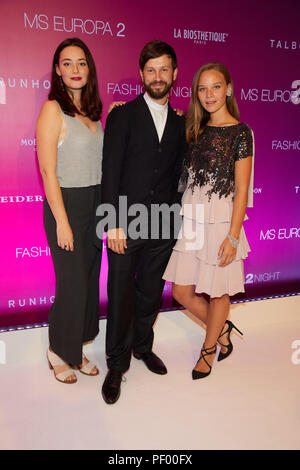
(70, 138)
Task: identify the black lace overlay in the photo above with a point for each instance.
(211, 160)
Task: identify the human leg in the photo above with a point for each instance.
(149, 288)
(196, 304)
(217, 315)
(121, 306)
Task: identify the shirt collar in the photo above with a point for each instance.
(154, 105)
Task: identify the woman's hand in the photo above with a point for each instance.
(116, 240)
(115, 104)
(227, 253)
(65, 237)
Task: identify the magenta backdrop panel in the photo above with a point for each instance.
(260, 44)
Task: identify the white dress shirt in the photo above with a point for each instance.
(159, 113)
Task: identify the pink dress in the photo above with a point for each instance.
(207, 206)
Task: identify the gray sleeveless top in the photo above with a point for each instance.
(79, 155)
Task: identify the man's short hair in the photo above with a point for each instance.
(155, 49)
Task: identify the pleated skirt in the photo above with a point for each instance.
(194, 260)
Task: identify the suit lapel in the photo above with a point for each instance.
(147, 119)
(170, 126)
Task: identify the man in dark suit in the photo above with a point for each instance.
(144, 145)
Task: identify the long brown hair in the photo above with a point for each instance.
(91, 104)
(197, 117)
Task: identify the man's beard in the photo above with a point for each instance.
(158, 94)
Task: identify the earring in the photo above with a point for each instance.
(229, 92)
(61, 82)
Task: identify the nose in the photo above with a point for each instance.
(209, 93)
(157, 75)
(75, 68)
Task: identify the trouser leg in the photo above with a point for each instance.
(91, 323)
(121, 305)
(74, 316)
(149, 288)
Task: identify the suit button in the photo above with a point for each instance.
(151, 192)
(160, 149)
(155, 170)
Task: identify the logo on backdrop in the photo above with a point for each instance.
(126, 88)
(31, 301)
(267, 96)
(257, 190)
(21, 199)
(135, 89)
(286, 145)
(252, 278)
(295, 95)
(280, 234)
(286, 45)
(32, 252)
(29, 83)
(41, 22)
(25, 142)
(2, 91)
(273, 96)
(200, 37)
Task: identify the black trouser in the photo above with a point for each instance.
(135, 287)
(74, 315)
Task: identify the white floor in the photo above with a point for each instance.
(250, 401)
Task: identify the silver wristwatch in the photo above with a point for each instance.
(234, 241)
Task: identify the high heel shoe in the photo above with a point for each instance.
(196, 374)
(229, 346)
(54, 360)
(88, 368)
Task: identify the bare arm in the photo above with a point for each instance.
(48, 130)
(242, 178)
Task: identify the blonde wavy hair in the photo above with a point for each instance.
(197, 116)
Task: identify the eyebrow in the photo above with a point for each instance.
(157, 66)
(216, 83)
(72, 59)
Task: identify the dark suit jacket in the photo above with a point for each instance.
(135, 163)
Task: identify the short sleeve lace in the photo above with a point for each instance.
(211, 160)
(245, 144)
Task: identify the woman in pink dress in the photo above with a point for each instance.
(208, 256)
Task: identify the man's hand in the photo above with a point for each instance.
(116, 240)
(179, 112)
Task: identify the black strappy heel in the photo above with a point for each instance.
(229, 346)
(196, 374)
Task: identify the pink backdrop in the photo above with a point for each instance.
(260, 44)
